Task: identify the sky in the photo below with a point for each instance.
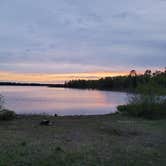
(58, 40)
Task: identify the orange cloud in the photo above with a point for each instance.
(54, 78)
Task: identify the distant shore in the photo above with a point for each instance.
(58, 86)
(30, 84)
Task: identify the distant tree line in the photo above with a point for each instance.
(30, 84)
(122, 83)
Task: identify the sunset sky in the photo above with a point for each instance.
(58, 40)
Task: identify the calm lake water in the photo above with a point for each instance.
(43, 100)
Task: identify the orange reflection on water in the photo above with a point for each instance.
(38, 100)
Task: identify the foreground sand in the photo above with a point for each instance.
(109, 140)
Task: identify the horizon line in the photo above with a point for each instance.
(59, 78)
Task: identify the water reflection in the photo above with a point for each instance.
(39, 100)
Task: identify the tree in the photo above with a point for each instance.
(133, 73)
(133, 78)
(148, 73)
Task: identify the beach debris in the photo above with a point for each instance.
(45, 122)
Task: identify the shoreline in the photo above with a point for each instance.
(31, 84)
(62, 86)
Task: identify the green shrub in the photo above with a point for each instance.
(7, 114)
(146, 110)
(149, 101)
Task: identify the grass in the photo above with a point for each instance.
(108, 140)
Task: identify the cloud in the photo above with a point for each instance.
(79, 36)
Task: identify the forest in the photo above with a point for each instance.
(123, 83)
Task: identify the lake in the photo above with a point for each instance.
(61, 101)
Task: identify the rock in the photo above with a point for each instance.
(45, 122)
(56, 115)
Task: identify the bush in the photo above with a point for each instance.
(148, 102)
(7, 114)
(146, 110)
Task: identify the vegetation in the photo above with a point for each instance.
(7, 114)
(122, 83)
(30, 84)
(4, 113)
(106, 140)
(149, 101)
(150, 111)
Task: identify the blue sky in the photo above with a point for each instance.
(75, 36)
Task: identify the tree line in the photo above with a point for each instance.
(122, 83)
